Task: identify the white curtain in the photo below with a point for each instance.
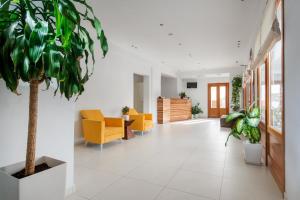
(268, 34)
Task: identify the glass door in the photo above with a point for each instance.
(218, 99)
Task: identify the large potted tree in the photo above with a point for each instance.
(43, 41)
(245, 124)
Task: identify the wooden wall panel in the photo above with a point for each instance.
(163, 111)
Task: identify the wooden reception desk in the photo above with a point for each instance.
(171, 110)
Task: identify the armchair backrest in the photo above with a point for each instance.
(132, 111)
(92, 115)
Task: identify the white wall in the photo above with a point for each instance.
(169, 86)
(200, 94)
(55, 137)
(292, 99)
(111, 86)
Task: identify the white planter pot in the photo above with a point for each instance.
(126, 117)
(253, 153)
(45, 185)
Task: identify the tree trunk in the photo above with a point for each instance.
(32, 124)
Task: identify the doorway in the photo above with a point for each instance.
(138, 92)
(141, 93)
(218, 99)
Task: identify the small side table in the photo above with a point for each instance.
(128, 131)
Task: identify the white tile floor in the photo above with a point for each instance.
(178, 161)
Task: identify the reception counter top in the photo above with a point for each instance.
(174, 109)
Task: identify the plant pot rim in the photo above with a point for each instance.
(248, 142)
(9, 170)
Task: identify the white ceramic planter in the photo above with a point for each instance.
(253, 153)
(45, 185)
(126, 117)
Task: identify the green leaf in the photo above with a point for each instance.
(67, 29)
(36, 41)
(255, 113)
(253, 122)
(57, 19)
(69, 11)
(54, 60)
(101, 36)
(255, 135)
(234, 116)
(29, 26)
(240, 125)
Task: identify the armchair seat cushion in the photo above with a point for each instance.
(113, 131)
(148, 124)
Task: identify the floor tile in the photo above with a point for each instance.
(238, 188)
(169, 194)
(129, 189)
(202, 184)
(154, 173)
(89, 182)
(75, 197)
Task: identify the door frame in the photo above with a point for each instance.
(209, 85)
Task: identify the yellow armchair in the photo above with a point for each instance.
(98, 129)
(142, 122)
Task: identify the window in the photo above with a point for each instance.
(222, 96)
(276, 95)
(262, 90)
(214, 97)
(249, 91)
(276, 87)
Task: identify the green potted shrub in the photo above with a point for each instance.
(246, 124)
(196, 110)
(41, 42)
(183, 95)
(125, 111)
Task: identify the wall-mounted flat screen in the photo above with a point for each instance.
(191, 85)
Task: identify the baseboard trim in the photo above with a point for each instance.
(79, 141)
(285, 196)
(70, 190)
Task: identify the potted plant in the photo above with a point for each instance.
(182, 95)
(196, 110)
(42, 41)
(125, 111)
(246, 124)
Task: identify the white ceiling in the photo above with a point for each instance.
(208, 30)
